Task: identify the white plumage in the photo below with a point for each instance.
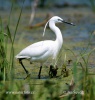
(43, 50)
(39, 51)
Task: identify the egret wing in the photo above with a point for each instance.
(34, 50)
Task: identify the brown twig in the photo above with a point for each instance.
(48, 16)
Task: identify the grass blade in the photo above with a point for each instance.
(9, 34)
(18, 21)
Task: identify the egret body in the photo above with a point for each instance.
(41, 51)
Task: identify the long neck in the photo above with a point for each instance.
(57, 32)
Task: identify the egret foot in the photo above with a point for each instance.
(39, 76)
(52, 71)
(28, 75)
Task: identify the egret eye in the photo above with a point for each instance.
(59, 20)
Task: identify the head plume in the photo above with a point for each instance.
(45, 27)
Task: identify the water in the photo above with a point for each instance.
(6, 4)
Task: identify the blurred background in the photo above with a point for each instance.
(26, 27)
(6, 4)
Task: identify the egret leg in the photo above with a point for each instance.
(20, 61)
(39, 75)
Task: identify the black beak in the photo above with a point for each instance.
(67, 22)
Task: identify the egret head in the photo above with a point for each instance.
(56, 19)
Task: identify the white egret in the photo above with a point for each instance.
(41, 51)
